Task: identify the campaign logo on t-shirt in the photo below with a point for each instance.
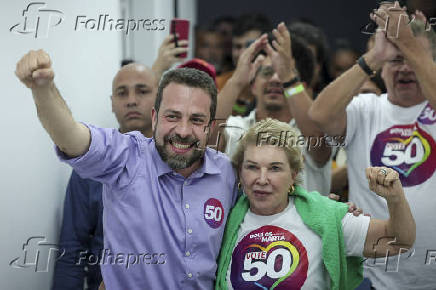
(213, 212)
(269, 257)
(428, 116)
(409, 150)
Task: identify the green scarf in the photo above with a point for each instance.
(321, 215)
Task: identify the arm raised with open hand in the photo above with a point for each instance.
(35, 71)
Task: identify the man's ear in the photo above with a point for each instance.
(212, 126)
(153, 118)
(112, 102)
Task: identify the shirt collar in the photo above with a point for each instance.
(161, 166)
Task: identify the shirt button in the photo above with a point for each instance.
(190, 275)
(187, 205)
(188, 254)
(189, 231)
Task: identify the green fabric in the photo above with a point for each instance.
(320, 214)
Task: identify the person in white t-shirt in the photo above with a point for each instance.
(278, 80)
(279, 235)
(396, 130)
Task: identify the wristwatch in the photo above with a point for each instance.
(363, 65)
(291, 82)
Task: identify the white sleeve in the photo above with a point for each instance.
(316, 178)
(352, 119)
(355, 229)
(358, 111)
(234, 130)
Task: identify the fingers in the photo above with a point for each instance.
(269, 50)
(43, 60)
(278, 36)
(381, 176)
(282, 38)
(276, 46)
(34, 65)
(333, 196)
(357, 212)
(179, 50)
(182, 43)
(420, 16)
(167, 40)
(391, 177)
(371, 175)
(249, 53)
(257, 63)
(380, 18)
(283, 29)
(42, 76)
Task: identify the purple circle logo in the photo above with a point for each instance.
(409, 150)
(213, 212)
(428, 116)
(269, 257)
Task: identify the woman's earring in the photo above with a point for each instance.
(239, 186)
(291, 190)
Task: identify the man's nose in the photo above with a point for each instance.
(183, 128)
(405, 67)
(132, 100)
(275, 79)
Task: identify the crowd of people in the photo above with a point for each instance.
(220, 172)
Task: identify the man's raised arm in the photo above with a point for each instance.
(35, 71)
(240, 79)
(328, 111)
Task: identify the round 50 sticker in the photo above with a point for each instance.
(213, 213)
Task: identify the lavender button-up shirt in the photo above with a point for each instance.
(161, 231)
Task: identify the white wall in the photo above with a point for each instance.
(33, 181)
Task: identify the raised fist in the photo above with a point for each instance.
(34, 69)
(385, 182)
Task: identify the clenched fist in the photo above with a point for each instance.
(34, 69)
(385, 182)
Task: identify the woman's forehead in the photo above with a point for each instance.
(265, 153)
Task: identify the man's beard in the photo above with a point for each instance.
(178, 161)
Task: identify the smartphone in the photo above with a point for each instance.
(181, 27)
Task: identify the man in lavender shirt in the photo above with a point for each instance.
(166, 199)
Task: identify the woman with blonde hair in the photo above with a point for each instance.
(279, 236)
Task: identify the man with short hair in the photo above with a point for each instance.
(247, 29)
(160, 217)
(279, 86)
(397, 130)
